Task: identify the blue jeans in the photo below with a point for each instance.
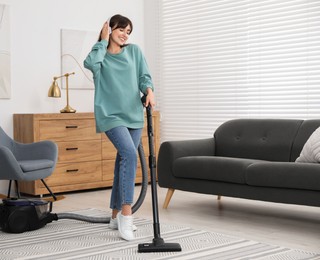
(126, 141)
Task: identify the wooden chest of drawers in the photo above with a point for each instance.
(85, 159)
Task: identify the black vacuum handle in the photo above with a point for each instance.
(149, 123)
(144, 100)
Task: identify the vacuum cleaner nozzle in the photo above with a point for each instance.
(158, 245)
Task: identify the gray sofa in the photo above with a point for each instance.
(246, 158)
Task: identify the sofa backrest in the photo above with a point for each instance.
(265, 139)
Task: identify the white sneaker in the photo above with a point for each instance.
(125, 226)
(114, 224)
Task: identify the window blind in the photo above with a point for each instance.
(228, 59)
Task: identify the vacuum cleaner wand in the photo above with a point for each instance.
(158, 244)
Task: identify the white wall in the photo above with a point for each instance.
(151, 32)
(35, 51)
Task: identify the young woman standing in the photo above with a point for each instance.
(120, 74)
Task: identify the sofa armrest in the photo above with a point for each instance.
(172, 150)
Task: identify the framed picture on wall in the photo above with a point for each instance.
(5, 61)
(75, 46)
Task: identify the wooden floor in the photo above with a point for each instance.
(281, 224)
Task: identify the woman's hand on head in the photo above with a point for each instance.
(105, 32)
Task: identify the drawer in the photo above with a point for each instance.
(75, 173)
(108, 150)
(79, 151)
(107, 170)
(67, 130)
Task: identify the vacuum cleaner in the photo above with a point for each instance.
(18, 215)
(157, 244)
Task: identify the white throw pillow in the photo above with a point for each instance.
(311, 149)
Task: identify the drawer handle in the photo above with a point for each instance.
(72, 149)
(73, 170)
(71, 126)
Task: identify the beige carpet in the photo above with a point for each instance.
(72, 239)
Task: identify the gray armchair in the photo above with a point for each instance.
(26, 162)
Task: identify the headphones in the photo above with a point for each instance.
(110, 29)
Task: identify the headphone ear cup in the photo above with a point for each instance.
(110, 29)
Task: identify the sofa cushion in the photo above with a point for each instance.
(291, 175)
(212, 168)
(311, 150)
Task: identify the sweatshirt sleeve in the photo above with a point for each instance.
(95, 57)
(145, 80)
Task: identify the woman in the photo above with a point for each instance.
(120, 75)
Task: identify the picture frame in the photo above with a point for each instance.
(75, 46)
(5, 55)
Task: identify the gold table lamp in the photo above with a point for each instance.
(54, 91)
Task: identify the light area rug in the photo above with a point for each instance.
(72, 239)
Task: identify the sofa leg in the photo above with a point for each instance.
(219, 197)
(168, 198)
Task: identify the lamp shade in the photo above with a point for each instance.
(54, 90)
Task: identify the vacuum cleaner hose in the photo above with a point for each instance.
(144, 182)
(83, 218)
(135, 207)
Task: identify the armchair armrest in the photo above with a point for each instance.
(9, 166)
(172, 150)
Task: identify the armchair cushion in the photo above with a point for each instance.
(35, 165)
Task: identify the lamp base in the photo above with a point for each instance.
(68, 109)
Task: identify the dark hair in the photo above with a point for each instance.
(118, 21)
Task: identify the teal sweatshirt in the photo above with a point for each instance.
(119, 80)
